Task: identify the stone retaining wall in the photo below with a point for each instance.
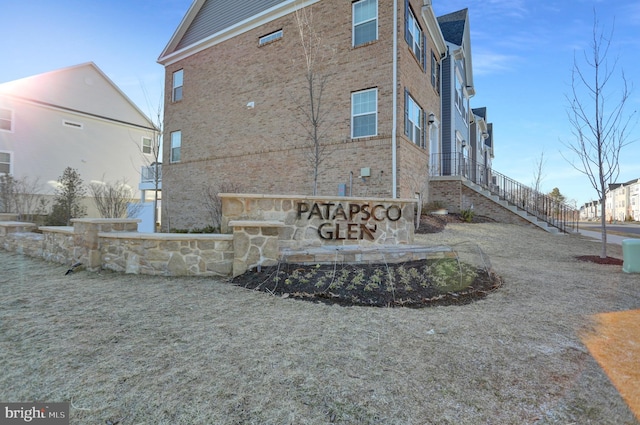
(257, 228)
(167, 254)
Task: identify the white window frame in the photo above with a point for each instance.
(355, 115)
(176, 146)
(417, 36)
(10, 120)
(177, 85)
(274, 36)
(147, 145)
(10, 162)
(355, 24)
(414, 131)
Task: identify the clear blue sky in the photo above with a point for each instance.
(522, 55)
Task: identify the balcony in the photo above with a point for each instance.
(148, 178)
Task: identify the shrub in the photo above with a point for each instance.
(467, 215)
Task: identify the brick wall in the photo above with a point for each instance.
(265, 149)
(455, 196)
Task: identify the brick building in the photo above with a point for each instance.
(237, 97)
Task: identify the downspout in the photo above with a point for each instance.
(394, 159)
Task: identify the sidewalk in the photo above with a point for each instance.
(610, 238)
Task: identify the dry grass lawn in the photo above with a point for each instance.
(150, 350)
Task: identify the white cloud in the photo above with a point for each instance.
(486, 62)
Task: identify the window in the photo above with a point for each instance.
(146, 145)
(177, 85)
(414, 36)
(6, 119)
(435, 72)
(365, 21)
(413, 120)
(271, 37)
(176, 144)
(5, 163)
(364, 113)
(72, 124)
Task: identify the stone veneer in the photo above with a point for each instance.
(258, 229)
(165, 254)
(301, 233)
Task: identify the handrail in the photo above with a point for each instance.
(542, 206)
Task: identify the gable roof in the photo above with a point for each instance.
(481, 112)
(455, 30)
(453, 26)
(208, 22)
(216, 15)
(83, 89)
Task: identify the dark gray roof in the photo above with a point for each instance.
(452, 26)
(216, 15)
(481, 112)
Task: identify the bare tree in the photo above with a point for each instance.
(313, 107)
(111, 198)
(213, 202)
(601, 129)
(153, 170)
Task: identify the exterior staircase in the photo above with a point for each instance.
(533, 206)
(531, 218)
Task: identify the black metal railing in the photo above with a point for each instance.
(538, 204)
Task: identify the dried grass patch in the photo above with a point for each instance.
(158, 350)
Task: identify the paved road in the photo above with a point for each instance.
(632, 229)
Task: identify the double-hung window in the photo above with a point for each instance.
(6, 119)
(146, 145)
(435, 72)
(364, 113)
(176, 145)
(5, 163)
(414, 36)
(178, 77)
(413, 120)
(365, 21)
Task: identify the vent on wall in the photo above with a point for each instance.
(72, 124)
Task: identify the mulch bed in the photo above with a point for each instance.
(609, 261)
(369, 284)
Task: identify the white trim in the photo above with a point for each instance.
(353, 23)
(11, 161)
(172, 147)
(271, 37)
(241, 27)
(12, 120)
(150, 145)
(394, 124)
(374, 112)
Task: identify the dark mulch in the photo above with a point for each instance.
(609, 261)
(412, 284)
(381, 285)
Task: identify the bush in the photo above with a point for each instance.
(467, 215)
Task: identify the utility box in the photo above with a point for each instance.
(631, 255)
